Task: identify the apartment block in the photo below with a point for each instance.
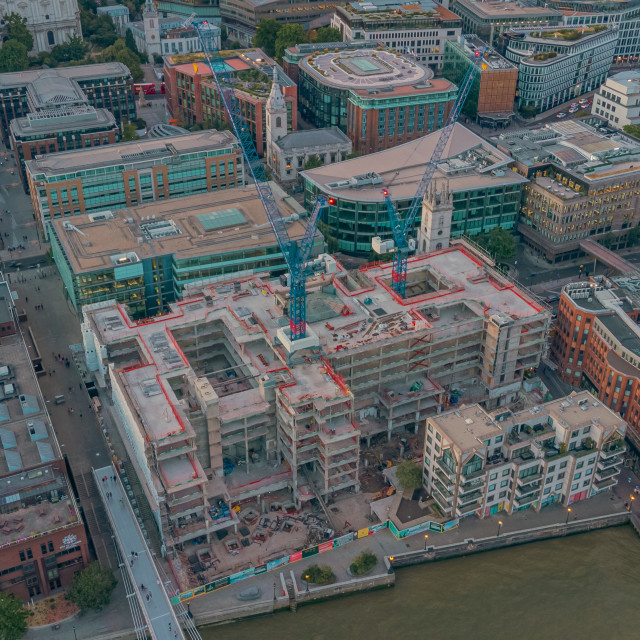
(192, 95)
(421, 28)
(215, 394)
(147, 256)
(106, 85)
(125, 175)
(597, 343)
(491, 97)
(485, 191)
(582, 184)
(618, 99)
(563, 451)
(43, 540)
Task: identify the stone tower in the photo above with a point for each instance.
(151, 21)
(437, 211)
(276, 110)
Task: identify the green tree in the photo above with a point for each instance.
(363, 562)
(266, 34)
(130, 43)
(328, 34)
(409, 476)
(13, 57)
(118, 52)
(313, 162)
(75, 48)
(632, 130)
(92, 588)
(288, 35)
(129, 132)
(236, 45)
(607, 240)
(13, 617)
(224, 34)
(500, 244)
(16, 27)
(633, 237)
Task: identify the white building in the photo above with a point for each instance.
(168, 36)
(287, 154)
(562, 451)
(618, 99)
(119, 14)
(51, 22)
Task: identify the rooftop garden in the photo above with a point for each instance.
(568, 34)
(547, 55)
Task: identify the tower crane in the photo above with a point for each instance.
(296, 254)
(402, 228)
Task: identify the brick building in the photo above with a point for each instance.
(43, 542)
(192, 96)
(597, 343)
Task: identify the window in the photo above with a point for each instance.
(574, 486)
(502, 494)
(559, 487)
(563, 464)
(493, 476)
(492, 487)
(51, 38)
(504, 483)
(505, 472)
(580, 465)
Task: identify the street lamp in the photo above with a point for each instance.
(74, 633)
(306, 577)
(274, 591)
(568, 514)
(426, 537)
(499, 527)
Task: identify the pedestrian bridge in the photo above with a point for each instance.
(151, 609)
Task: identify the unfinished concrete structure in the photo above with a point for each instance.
(219, 406)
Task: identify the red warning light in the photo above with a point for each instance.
(385, 192)
(477, 54)
(332, 200)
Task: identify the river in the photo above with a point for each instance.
(585, 586)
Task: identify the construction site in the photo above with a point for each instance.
(250, 443)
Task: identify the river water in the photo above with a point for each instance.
(585, 586)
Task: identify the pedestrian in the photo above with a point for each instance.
(81, 415)
(169, 626)
(114, 478)
(104, 479)
(26, 299)
(131, 562)
(121, 503)
(148, 597)
(141, 587)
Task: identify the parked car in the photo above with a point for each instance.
(573, 110)
(561, 115)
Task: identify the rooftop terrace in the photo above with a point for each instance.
(510, 10)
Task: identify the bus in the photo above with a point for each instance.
(149, 88)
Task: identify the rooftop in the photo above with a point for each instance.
(571, 410)
(365, 69)
(468, 162)
(567, 34)
(396, 10)
(627, 82)
(623, 332)
(52, 121)
(100, 71)
(54, 90)
(467, 427)
(198, 225)
(313, 138)
(498, 9)
(481, 53)
(153, 149)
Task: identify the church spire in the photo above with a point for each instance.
(276, 99)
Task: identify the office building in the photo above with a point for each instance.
(119, 14)
(241, 17)
(130, 173)
(556, 65)
(560, 452)
(618, 99)
(43, 541)
(597, 343)
(204, 391)
(583, 184)
(106, 85)
(146, 256)
(192, 95)
(379, 98)
(485, 192)
(490, 100)
(59, 129)
(489, 19)
(50, 23)
(622, 15)
(204, 9)
(420, 29)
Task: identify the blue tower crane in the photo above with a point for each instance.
(295, 254)
(402, 228)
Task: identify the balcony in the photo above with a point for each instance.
(444, 479)
(612, 449)
(521, 502)
(446, 494)
(466, 477)
(445, 507)
(610, 462)
(601, 485)
(522, 492)
(450, 473)
(467, 509)
(471, 486)
(529, 479)
(603, 474)
(474, 496)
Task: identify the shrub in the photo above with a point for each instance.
(319, 574)
(363, 563)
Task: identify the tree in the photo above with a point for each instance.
(328, 34)
(16, 27)
(118, 52)
(266, 34)
(607, 240)
(313, 162)
(633, 237)
(129, 132)
(130, 43)
(500, 244)
(632, 130)
(409, 476)
(13, 57)
(92, 588)
(13, 617)
(363, 562)
(288, 35)
(224, 34)
(75, 48)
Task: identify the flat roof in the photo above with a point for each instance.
(83, 72)
(497, 9)
(623, 333)
(569, 409)
(130, 152)
(199, 225)
(55, 121)
(365, 69)
(313, 138)
(481, 53)
(401, 168)
(466, 427)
